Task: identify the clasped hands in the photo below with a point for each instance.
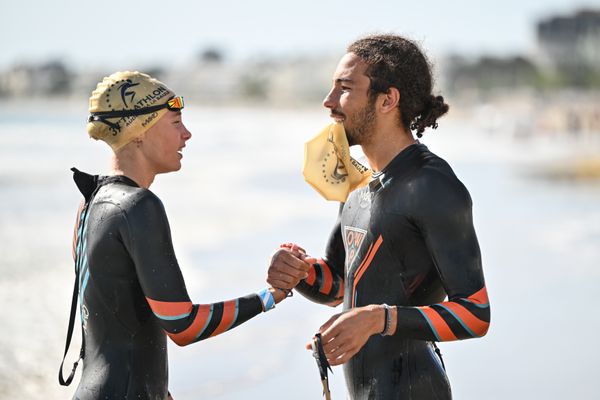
(344, 334)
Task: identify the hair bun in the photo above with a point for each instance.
(434, 108)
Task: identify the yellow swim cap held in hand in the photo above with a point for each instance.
(126, 104)
(328, 166)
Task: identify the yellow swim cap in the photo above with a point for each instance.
(112, 104)
(328, 166)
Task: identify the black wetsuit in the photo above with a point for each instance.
(132, 293)
(406, 239)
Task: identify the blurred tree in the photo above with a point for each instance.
(211, 55)
(491, 73)
(254, 86)
(570, 47)
(52, 78)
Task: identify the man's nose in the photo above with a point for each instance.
(330, 100)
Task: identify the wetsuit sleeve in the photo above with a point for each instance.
(147, 237)
(444, 216)
(325, 281)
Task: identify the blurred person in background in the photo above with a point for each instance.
(402, 244)
(131, 292)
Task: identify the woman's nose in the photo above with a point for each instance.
(187, 135)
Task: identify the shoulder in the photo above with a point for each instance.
(143, 201)
(130, 199)
(436, 178)
(430, 185)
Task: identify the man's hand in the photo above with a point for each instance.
(346, 333)
(289, 265)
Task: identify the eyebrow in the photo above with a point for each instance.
(344, 80)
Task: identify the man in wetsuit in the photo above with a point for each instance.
(403, 256)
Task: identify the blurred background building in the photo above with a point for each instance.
(565, 60)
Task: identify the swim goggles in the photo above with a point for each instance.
(319, 355)
(173, 104)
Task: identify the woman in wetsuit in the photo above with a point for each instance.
(131, 292)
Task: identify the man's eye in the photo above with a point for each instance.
(345, 88)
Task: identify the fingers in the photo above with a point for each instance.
(282, 280)
(286, 270)
(310, 260)
(340, 349)
(293, 247)
(286, 260)
(325, 327)
(299, 252)
(341, 359)
(344, 335)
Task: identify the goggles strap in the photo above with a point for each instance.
(101, 116)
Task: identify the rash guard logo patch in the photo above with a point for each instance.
(353, 238)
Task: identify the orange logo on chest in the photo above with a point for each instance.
(353, 238)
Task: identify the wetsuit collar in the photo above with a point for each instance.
(88, 184)
(383, 177)
(105, 180)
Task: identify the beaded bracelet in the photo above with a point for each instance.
(387, 323)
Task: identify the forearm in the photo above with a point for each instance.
(186, 323)
(456, 319)
(323, 285)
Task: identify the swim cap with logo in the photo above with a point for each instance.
(123, 92)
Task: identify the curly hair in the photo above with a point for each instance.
(394, 61)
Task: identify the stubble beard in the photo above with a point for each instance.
(363, 123)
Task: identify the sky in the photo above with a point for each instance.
(111, 33)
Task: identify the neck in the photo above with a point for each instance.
(128, 162)
(385, 144)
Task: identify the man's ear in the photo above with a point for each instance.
(391, 99)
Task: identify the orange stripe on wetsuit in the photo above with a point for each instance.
(475, 325)
(312, 276)
(362, 268)
(460, 317)
(441, 328)
(327, 281)
(480, 297)
(321, 277)
(195, 329)
(229, 311)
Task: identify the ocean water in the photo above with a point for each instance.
(239, 194)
